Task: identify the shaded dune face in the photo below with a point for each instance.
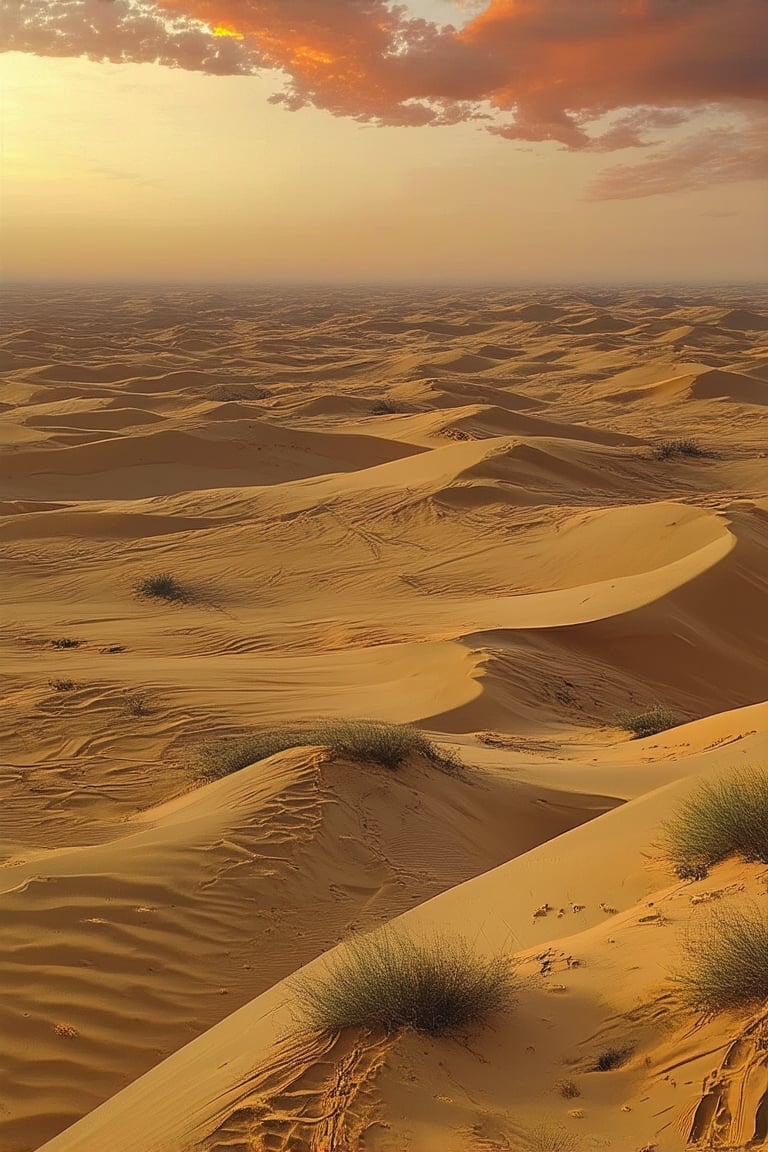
(449, 512)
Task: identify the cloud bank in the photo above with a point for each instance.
(590, 75)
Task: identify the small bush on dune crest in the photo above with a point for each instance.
(367, 740)
(723, 817)
(727, 965)
(162, 586)
(649, 722)
(388, 981)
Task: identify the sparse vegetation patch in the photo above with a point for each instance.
(652, 720)
(568, 1089)
(368, 740)
(66, 642)
(723, 817)
(668, 449)
(612, 1058)
(61, 685)
(387, 408)
(162, 586)
(727, 964)
(136, 704)
(691, 871)
(390, 981)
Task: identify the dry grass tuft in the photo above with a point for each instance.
(136, 704)
(391, 982)
(723, 817)
(727, 963)
(387, 408)
(162, 586)
(649, 722)
(612, 1058)
(568, 1089)
(372, 741)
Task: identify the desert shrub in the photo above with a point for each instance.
(61, 685)
(649, 722)
(726, 964)
(66, 642)
(568, 1089)
(612, 1058)
(239, 392)
(691, 871)
(390, 981)
(387, 408)
(136, 704)
(162, 586)
(685, 447)
(385, 744)
(723, 817)
(367, 740)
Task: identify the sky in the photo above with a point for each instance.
(497, 141)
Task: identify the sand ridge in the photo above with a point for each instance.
(443, 508)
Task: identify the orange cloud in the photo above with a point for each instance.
(601, 75)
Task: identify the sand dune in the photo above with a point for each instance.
(598, 964)
(497, 554)
(189, 888)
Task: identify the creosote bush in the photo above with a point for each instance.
(389, 981)
(649, 722)
(727, 964)
(162, 586)
(685, 447)
(723, 817)
(368, 740)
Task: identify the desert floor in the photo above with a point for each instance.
(439, 507)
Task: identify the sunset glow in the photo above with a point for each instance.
(610, 123)
(221, 30)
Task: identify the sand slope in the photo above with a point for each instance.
(437, 509)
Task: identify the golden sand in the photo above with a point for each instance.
(495, 554)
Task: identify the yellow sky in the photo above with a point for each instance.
(139, 171)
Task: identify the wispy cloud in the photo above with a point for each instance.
(597, 75)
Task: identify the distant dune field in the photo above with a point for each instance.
(510, 519)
